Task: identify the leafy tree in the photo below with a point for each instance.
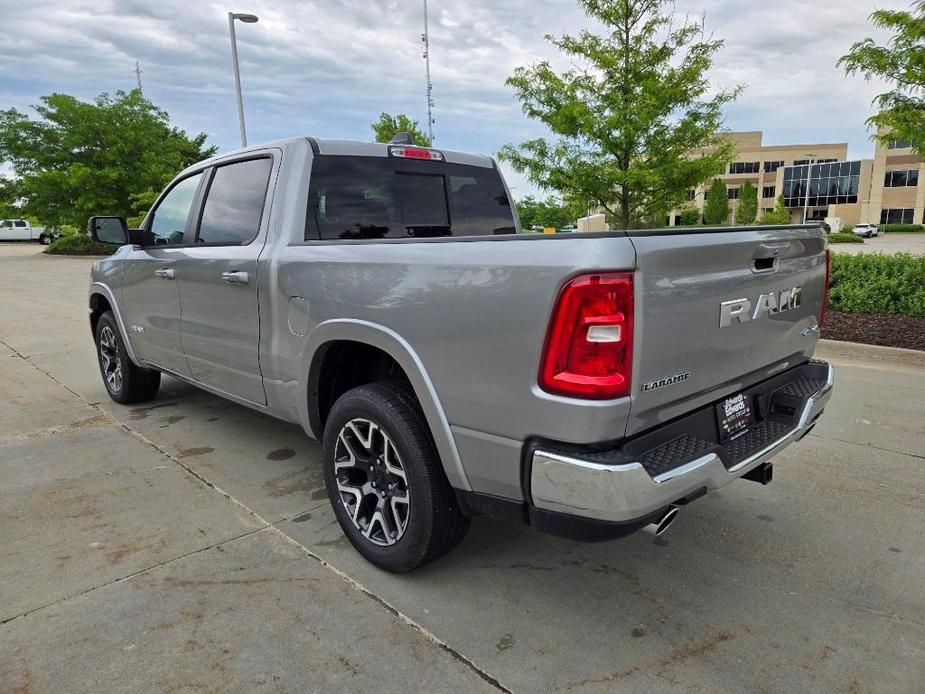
(636, 119)
(747, 209)
(78, 158)
(550, 212)
(779, 215)
(716, 206)
(388, 126)
(902, 63)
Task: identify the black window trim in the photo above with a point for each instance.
(197, 198)
(200, 201)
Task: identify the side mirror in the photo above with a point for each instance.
(108, 230)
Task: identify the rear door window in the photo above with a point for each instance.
(386, 197)
(234, 204)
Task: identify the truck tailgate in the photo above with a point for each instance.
(719, 310)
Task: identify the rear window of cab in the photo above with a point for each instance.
(389, 197)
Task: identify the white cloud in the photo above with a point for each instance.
(329, 67)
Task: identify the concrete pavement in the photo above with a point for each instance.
(886, 243)
(187, 543)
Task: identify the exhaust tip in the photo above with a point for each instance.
(661, 526)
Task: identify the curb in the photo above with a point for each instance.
(873, 354)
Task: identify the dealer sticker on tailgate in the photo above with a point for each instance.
(734, 415)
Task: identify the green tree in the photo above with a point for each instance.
(80, 158)
(902, 63)
(636, 119)
(716, 206)
(550, 212)
(388, 126)
(747, 207)
(779, 215)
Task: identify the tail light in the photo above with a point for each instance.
(825, 293)
(589, 344)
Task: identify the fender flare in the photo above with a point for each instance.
(398, 348)
(106, 292)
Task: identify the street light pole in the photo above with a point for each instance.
(809, 173)
(247, 19)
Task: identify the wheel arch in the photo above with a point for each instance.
(101, 299)
(370, 340)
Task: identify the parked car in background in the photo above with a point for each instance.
(567, 229)
(22, 230)
(383, 297)
(866, 230)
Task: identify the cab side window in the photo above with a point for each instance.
(234, 205)
(168, 221)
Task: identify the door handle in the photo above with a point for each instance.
(235, 277)
(165, 273)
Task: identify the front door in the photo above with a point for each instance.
(150, 287)
(220, 325)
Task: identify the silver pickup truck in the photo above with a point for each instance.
(384, 298)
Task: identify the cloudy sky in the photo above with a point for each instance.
(329, 67)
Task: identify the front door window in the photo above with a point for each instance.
(168, 221)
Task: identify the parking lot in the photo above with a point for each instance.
(187, 544)
(885, 243)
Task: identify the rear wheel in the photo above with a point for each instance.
(125, 382)
(385, 481)
(45, 239)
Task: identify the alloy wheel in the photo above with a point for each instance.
(371, 481)
(111, 361)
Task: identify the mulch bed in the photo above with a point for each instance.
(876, 329)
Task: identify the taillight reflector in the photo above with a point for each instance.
(589, 343)
(415, 153)
(825, 294)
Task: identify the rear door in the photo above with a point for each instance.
(220, 326)
(717, 311)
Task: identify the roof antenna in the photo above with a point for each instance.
(425, 37)
(401, 139)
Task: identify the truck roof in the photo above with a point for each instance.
(357, 148)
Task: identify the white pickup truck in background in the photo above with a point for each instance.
(22, 230)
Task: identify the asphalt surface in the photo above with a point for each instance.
(187, 544)
(885, 243)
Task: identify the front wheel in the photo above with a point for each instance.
(45, 239)
(125, 382)
(385, 480)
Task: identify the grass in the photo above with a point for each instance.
(79, 244)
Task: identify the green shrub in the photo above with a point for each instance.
(878, 283)
(903, 228)
(689, 217)
(79, 244)
(844, 237)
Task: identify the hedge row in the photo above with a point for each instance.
(902, 228)
(878, 283)
(79, 244)
(844, 237)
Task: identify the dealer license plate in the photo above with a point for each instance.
(735, 416)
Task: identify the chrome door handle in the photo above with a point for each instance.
(235, 277)
(165, 273)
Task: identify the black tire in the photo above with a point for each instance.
(133, 383)
(45, 239)
(433, 522)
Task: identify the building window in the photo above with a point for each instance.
(897, 215)
(771, 166)
(767, 192)
(744, 167)
(800, 162)
(898, 144)
(901, 178)
(825, 161)
(733, 193)
(833, 183)
(690, 194)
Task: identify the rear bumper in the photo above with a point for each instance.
(680, 460)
